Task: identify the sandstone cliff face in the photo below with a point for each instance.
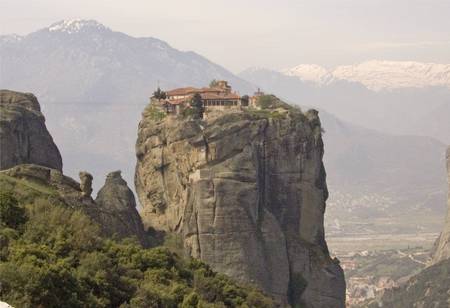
(246, 190)
(24, 137)
(118, 208)
(442, 249)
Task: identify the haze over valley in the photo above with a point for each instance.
(259, 172)
(93, 82)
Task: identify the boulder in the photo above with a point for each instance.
(24, 138)
(114, 210)
(86, 183)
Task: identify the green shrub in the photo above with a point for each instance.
(154, 113)
(197, 106)
(60, 260)
(11, 214)
(190, 301)
(265, 101)
(188, 112)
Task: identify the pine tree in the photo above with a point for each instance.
(197, 105)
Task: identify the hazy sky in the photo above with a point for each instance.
(274, 34)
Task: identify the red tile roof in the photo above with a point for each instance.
(182, 91)
(192, 90)
(212, 96)
(176, 101)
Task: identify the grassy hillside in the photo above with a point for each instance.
(429, 288)
(54, 256)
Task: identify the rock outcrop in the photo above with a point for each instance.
(246, 191)
(24, 138)
(114, 209)
(86, 183)
(118, 205)
(33, 181)
(442, 247)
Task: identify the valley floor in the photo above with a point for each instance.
(370, 273)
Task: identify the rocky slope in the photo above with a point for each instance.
(442, 249)
(246, 191)
(117, 201)
(430, 287)
(112, 210)
(24, 137)
(33, 168)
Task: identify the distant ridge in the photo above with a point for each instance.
(85, 61)
(93, 82)
(377, 74)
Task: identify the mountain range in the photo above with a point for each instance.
(410, 98)
(93, 84)
(377, 75)
(88, 62)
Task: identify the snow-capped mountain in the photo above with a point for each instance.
(76, 25)
(83, 60)
(93, 83)
(378, 75)
(403, 106)
(310, 72)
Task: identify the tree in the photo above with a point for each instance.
(245, 99)
(197, 105)
(159, 94)
(214, 83)
(265, 101)
(11, 214)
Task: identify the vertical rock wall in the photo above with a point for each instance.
(24, 138)
(246, 191)
(117, 209)
(442, 249)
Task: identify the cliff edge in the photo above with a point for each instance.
(246, 192)
(24, 138)
(442, 248)
(31, 167)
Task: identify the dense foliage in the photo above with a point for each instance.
(159, 94)
(11, 214)
(197, 106)
(54, 256)
(213, 83)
